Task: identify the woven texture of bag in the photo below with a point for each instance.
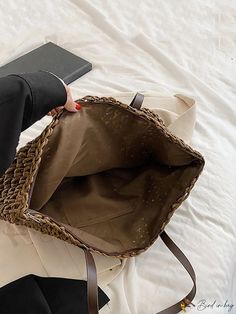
(17, 183)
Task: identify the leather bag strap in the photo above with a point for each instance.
(182, 304)
(137, 101)
(92, 288)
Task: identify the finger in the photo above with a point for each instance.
(71, 106)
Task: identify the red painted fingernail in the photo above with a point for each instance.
(78, 106)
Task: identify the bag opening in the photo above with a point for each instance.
(111, 177)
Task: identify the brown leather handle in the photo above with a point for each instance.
(182, 304)
(137, 101)
(92, 287)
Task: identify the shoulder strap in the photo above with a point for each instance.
(92, 294)
(92, 287)
(182, 304)
(137, 101)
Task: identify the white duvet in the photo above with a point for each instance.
(185, 47)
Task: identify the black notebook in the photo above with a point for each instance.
(49, 57)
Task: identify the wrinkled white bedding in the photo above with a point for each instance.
(166, 47)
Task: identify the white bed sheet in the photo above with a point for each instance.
(185, 47)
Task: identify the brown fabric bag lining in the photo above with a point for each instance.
(111, 177)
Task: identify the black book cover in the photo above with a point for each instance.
(49, 57)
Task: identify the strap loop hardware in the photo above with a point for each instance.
(186, 302)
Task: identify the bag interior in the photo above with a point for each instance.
(110, 176)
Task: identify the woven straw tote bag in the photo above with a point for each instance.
(106, 179)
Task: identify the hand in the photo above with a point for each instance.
(70, 104)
